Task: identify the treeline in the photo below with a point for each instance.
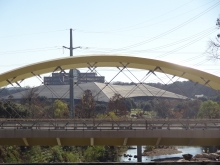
(187, 88)
(169, 108)
(34, 106)
(56, 154)
(11, 90)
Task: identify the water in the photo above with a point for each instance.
(185, 150)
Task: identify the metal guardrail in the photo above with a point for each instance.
(99, 124)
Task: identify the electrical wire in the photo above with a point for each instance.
(159, 22)
(169, 31)
(183, 46)
(114, 32)
(20, 35)
(31, 50)
(207, 31)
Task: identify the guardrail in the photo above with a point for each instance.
(99, 124)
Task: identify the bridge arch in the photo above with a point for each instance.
(103, 60)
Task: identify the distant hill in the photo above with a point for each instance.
(186, 88)
(11, 90)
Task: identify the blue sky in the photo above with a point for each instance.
(171, 30)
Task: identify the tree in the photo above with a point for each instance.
(117, 105)
(30, 98)
(191, 108)
(60, 109)
(100, 109)
(9, 109)
(163, 107)
(86, 108)
(209, 109)
(147, 107)
(214, 46)
(94, 154)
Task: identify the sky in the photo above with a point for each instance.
(171, 30)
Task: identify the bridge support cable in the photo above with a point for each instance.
(6, 102)
(33, 93)
(138, 80)
(134, 88)
(9, 82)
(10, 115)
(153, 72)
(136, 85)
(141, 83)
(112, 79)
(59, 68)
(50, 88)
(25, 141)
(109, 85)
(216, 92)
(12, 108)
(170, 80)
(31, 97)
(46, 85)
(89, 70)
(58, 141)
(200, 88)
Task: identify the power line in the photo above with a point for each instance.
(114, 32)
(166, 19)
(31, 50)
(20, 35)
(207, 31)
(169, 31)
(155, 17)
(183, 46)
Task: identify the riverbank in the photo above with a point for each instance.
(161, 151)
(172, 153)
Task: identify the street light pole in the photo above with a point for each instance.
(71, 101)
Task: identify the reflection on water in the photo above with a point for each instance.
(185, 150)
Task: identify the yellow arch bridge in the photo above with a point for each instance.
(73, 132)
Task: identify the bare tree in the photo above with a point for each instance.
(117, 105)
(30, 98)
(214, 45)
(86, 107)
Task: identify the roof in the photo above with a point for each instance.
(102, 92)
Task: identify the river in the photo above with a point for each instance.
(185, 150)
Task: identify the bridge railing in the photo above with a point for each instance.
(100, 124)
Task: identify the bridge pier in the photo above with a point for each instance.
(210, 149)
(139, 153)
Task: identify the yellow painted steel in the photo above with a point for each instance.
(103, 60)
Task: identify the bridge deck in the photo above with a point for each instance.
(100, 132)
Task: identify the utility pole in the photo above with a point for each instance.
(71, 99)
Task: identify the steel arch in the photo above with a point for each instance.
(103, 60)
